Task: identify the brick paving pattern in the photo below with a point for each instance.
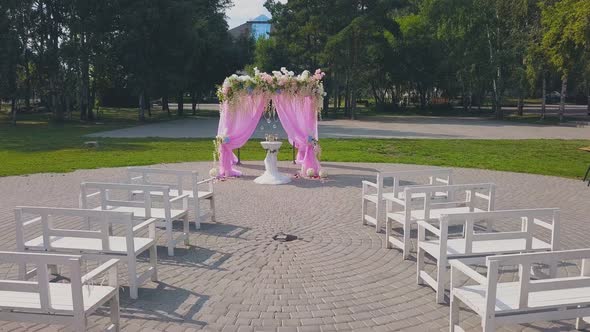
(336, 277)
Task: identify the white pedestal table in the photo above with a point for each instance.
(271, 174)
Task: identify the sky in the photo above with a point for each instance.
(244, 10)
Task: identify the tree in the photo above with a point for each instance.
(566, 35)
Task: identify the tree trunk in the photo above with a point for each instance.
(562, 97)
(148, 105)
(543, 96)
(497, 80)
(194, 102)
(337, 99)
(464, 96)
(588, 93)
(520, 102)
(353, 104)
(422, 96)
(326, 104)
(180, 102)
(141, 107)
(12, 111)
(83, 80)
(346, 99)
(58, 113)
(27, 84)
(165, 105)
(68, 107)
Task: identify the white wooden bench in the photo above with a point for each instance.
(99, 245)
(144, 175)
(141, 208)
(46, 302)
(526, 300)
(431, 209)
(376, 192)
(434, 240)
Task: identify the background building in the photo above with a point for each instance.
(259, 27)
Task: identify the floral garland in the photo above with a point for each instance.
(280, 82)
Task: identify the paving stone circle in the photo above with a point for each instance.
(336, 276)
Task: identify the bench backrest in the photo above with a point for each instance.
(529, 221)
(484, 192)
(527, 286)
(41, 285)
(143, 175)
(45, 217)
(90, 189)
(438, 176)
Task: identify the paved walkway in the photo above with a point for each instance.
(373, 127)
(337, 276)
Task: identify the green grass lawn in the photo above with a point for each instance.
(39, 146)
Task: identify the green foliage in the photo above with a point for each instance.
(70, 52)
(414, 51)
(566, 32)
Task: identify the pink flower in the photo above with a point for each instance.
(318, 75)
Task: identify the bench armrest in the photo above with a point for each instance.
(143, 224)
(93, 194)
(429, 227)
(369, 183)
(206, 181)
(111, 263)
(177, 198)
(458, 265)
(31, 221)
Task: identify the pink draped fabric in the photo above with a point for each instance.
(299, 119)
(237, 123)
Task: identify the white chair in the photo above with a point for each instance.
(380, 194)
(46, 302)
(434, 239)
(142, 209)
(144, 175)
(526, 300)
(430, 209)
(97, 245)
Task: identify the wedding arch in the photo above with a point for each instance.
(297, 100)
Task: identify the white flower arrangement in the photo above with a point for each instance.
(280, 82)
(213, 172)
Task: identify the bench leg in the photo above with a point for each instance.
(582, 322)
(364, 209)
(79, 324)
(212, 206)
(132, 275)
(407, 242)
(169, 237)
(441, 279)
(387, 233)
(197, 213)
(186, 230)
(454, 315)
(154, 262)
(114, 306)
(488, 325)
(378, 225)
(419, 265)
